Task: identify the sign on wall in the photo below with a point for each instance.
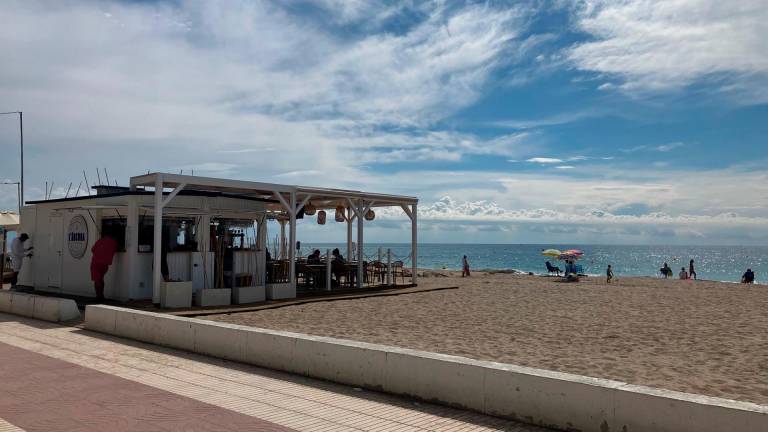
(77, 237)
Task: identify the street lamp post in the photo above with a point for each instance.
(21, 148)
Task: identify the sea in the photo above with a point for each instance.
(720, 263)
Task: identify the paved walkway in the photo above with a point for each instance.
(63, 378)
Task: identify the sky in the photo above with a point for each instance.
(614, 122)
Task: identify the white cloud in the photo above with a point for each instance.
(661, 45)
(545, 160)
(565, 167)
(669, 147)
(664, 148)
(197, 84)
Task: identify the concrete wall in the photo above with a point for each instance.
(564, 401)
(39, 307)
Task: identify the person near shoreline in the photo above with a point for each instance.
(691, 271)
(464, 267)
(683, 274)
(608, 274)
(748, 277)
(666, 271)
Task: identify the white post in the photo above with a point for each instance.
(132, 247)
(157, 276)
(350, 218)
(414, 244)
(389, 267)
(204, 242)
(282, 239)
(327, 269)
(292, 246)
(360, 255)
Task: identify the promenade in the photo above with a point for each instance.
(58, 378)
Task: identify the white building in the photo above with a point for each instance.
(212, 231)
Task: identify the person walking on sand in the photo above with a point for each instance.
(103, 252)
(691, 271)
(464, 267)
(608, 274)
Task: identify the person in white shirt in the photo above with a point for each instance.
(18, 252)
(683, 274)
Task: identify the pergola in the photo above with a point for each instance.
(286, 200)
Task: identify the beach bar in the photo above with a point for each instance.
(183, 237)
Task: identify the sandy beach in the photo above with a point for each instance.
(694, 336)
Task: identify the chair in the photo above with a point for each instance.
(552, 269)
(398, 269)
(376, 272)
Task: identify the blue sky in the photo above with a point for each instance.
(526, 121)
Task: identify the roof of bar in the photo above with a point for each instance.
(267, 190)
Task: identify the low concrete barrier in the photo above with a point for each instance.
(558, 400)
(39, 307)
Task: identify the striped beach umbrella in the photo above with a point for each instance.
(551, 252)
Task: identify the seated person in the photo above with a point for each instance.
(337, 256)
(748, 277)
(314, 258)
(683, 274)
(553, 269)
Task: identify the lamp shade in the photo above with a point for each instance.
(370, 215)
(321, 217)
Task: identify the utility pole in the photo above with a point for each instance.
(21, 148)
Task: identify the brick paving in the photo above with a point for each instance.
(64, 378)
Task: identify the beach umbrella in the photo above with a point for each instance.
(576, 252)
(551, 252)
(568, 256)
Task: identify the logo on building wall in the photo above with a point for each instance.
(77, 236)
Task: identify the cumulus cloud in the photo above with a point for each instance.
(183, 85)
(659, 45)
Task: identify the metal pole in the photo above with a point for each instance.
(21, 141)
(21, 149)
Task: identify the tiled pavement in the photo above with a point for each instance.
(145, 387)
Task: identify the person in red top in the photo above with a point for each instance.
(103, 251)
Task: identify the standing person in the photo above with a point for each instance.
(608, 274)
(691, 271)
(18, 252)
(103, 252)
(666, 271)
(683, 274)
(464, 267)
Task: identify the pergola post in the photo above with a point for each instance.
(204, 239)
(282, 239)
(132, 246)
(414, 243)
(157, 275)
(350, 218)
(360, 254)
(292, 246)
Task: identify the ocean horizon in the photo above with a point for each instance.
(720, 263)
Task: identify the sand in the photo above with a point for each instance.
(699, 337)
